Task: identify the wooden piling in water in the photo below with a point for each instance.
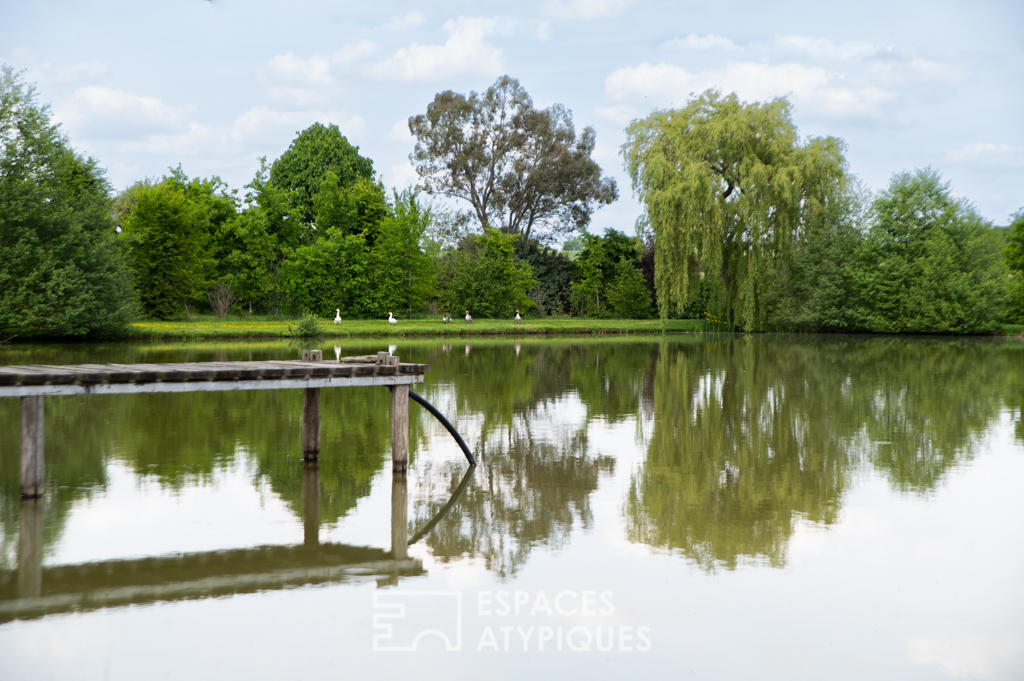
(399, 425)
(33, 462)
(311, 413)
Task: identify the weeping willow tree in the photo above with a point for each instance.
(727, 186)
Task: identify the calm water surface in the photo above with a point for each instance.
(699, 506)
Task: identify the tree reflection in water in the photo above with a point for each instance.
(743, 436)
(751, 433)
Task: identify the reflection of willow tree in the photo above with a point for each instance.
(527, 492)
(749, 433)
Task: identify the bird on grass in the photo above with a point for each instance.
(518, 318)
(469, 320)
(337, 316)
(391, 319)
(446, 319)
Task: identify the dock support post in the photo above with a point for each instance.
(311, 414)
(30, 549)
(33, 463)
(399, 516)
(311, 503)
(399, 429)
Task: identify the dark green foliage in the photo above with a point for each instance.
(929, 264)
(61, 269)
(817, 289)
(317, 150)
(251, 249)
(595, 270)
(328, 274)
(355, 209)
(552, 271)
(307, 327)
(168, 241)
(627, 294)
(483, 277)
(1015, 262)
(402, 273)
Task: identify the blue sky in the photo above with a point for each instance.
(143, 86)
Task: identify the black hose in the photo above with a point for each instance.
(444, 422)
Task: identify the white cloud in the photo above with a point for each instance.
(701, 42)
(822, 48)
(258, 128)
(318, 70)
(635, 90)
(405, 21)
(988, 155)
(49, 72)
(567, 10)
(294, 69)
(466, 52)
(399, 131)
(969, 654)
(104, 112)
(401, 176)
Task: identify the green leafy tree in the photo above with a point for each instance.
(725, 185)
(482, 276)
(357, 208)
(1015, 263)
(317, 150)
(521, 169)
(552, 270)
(817, 289)
(588, 282)
(61, 269)
(329, 274)
(628, 295)
(929, 263)
(404, 271)
(252, 248)
(168, 240)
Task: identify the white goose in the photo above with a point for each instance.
(337, 316)
(469, 320)
(391, 319)
(518, 318)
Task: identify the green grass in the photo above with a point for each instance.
(199, 328)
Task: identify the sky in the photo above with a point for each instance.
(215, 85)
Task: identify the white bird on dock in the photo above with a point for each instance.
(518, 318)
(391, 319)
(469, 320)
(337, 317)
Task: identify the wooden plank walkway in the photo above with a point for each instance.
(36, 382)
(121, 379)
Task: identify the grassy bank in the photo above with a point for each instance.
(270, 327)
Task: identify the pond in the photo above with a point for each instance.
(697, 506)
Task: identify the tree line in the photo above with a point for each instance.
(744, 224)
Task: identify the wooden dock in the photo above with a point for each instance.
(34, 383)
